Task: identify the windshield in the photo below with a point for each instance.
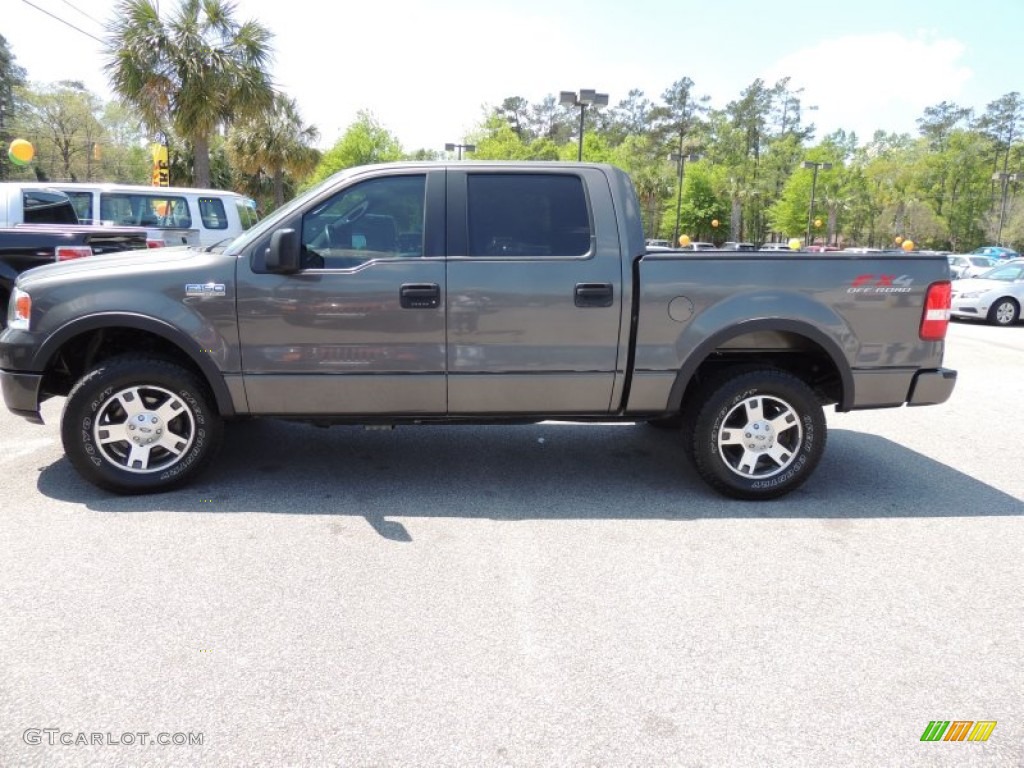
(1007, 273)
(272, 221)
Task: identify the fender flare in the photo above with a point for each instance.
(706, 347)
(213, 376)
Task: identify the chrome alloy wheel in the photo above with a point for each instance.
(760, 437)
(143, 429)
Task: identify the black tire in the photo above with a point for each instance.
(738, 446)
(1004, 311)
(138, 424)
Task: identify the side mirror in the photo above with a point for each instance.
(284, 252)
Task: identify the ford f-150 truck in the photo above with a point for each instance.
(466, 293)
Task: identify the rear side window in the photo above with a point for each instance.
(142, 210)
(211, 211)
(527, 215)
(45, 206)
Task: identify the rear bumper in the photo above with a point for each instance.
(932, 387)
(21, 394)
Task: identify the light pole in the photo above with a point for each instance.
(460, 147)
(814, 184)
(1004, 179)
(680, 160)
(585, 99)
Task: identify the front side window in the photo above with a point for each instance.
(211, 211)
(144, 210)
(247, 213)
(527, 215)
(376, 219)
(83, 206)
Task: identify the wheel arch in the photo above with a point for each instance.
(803, 345)
(77, 346)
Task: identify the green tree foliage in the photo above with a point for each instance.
(12, 76)
(365, 141)
(192, 72)
(63, 123)
(274, 145)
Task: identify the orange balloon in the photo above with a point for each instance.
(908, 245)
(714, 222)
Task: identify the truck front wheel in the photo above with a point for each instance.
(758, 434)
(139, 425)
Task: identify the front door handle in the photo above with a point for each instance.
(594, 294)
(420, 296)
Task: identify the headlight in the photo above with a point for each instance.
(19, 310)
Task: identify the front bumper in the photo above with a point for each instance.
(932, 387)
(21, 394)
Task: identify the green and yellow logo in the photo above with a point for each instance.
(958, 730)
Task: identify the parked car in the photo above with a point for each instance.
(660, 243)
(961, 266)
(775, 247)
(171, 215)
(821, 248)
(995, 296)
(698, 246)
(731, 246)
(995, 251)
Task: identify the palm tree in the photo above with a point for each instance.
(193, 72)
(274, 143)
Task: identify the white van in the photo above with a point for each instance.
(171, 215)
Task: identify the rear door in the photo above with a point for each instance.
(534, 292)
(360, 329)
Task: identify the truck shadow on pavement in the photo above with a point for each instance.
(550, 471)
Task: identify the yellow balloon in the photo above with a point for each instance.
(899, 239)
(794, 244)
(21, 152)
(908, 245)
(684, 240)
(714, 222)
(817, 222)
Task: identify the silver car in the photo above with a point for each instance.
(995, 296)
(969, 265)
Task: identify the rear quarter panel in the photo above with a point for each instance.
(866, 311)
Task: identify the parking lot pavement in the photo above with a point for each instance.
(536, 595)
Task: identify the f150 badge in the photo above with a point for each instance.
(204, 289)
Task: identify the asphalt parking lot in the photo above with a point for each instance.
(534, 595)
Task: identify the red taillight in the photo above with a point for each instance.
(935, 319)
(68, 252)
(155, 243)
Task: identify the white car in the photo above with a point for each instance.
(995, 296)
(969, 265)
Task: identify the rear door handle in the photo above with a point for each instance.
(420, 296)
(594, 294)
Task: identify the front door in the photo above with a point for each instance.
(360, 329)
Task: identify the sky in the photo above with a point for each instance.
(429, 72)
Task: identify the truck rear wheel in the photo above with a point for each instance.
(139, 425)
(758, 434)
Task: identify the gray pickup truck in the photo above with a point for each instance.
(471, 293)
